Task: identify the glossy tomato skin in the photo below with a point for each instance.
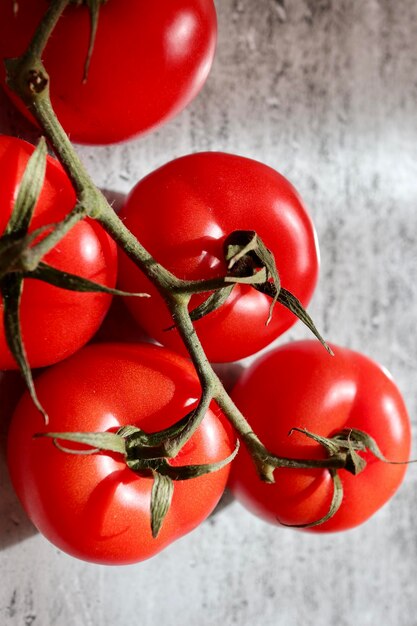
(182, 214)
(55, 322)
(150, 60)
(93, 507)
(300, 385)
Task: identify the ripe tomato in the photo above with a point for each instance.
(300, 385)
(55, 322)
(93, 506)
(183, 212)
(150, 60)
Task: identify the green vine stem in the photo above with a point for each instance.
(28, 77)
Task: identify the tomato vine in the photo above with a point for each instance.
(28, 78)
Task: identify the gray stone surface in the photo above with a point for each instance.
(326, 92)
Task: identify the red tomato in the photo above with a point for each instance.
(150, 60)
(94, 507)
(55, 322)
(300, 385)
(183, 212)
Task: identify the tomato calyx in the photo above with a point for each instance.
(347, 444)
(248, 257)
(343, 448)
(13, 243)
(21, 254)
(250, 262)
(246, 253)
(143, 454)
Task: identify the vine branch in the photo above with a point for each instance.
(28, 77)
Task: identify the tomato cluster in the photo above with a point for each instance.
(75, 475)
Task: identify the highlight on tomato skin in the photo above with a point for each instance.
(150, 60)
(55, 322)
(92, 506)
(300, 385)
(184, 211)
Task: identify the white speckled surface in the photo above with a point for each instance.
(326, 92)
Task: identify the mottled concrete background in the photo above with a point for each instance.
(326, 92)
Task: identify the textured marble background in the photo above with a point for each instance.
(326, 92)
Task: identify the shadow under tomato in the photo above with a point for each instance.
(116, 199)
(229, 373)
(120, 326)
(12, 122)
(96, 512)
(14, 523)
(225, 501)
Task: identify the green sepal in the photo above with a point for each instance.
(245, 252)
(126, 431)
(337, 499)
(139, 464)
(105, 441)
(117, 442)
(356, 439)
(163, 485)
(12, 248)
(258, 277)
(243, 244)
(161, 498)
(342, 444)
(331, 446)
(13, 242)
(30, 189)
(167, 442)
(154, 445)
(293, 304)
(355, 464)
(212, 303)
(287, 299)
(11, 287)
(239, 244)
(72, 282)
(188, 472)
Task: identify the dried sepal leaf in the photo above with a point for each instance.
(212, 303)
(29, 192)
(161, 498)
(105, 441)
(247, 256)
(337, 499)
(356, 439)
(11, 290)
(247, 247)
(72, 282)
